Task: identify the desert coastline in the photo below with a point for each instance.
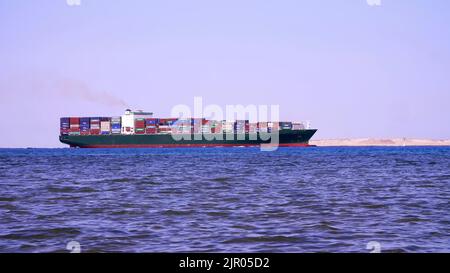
(381, 142)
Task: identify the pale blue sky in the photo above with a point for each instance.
(351, 69)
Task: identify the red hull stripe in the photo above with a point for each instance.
(188, 145)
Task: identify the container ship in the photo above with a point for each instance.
(139, 129)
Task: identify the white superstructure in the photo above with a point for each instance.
(129, 117)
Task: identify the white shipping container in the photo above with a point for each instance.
(105, 126)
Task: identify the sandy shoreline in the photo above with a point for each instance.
(380, 142)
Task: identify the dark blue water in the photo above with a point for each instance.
(225, 199)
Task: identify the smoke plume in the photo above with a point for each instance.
(79, 90)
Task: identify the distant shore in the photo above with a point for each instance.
(380, 142)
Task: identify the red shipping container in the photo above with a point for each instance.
(205, 122)
(150, 131)
(84, 133)
(139, 124)
(95, 131)
(74, 120)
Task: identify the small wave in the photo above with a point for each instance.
(122, 179)
(262, 239)
(41, 233)
(86, 189)
(325, 226)
(221, 179)
(410, 219)
(177, 212)
(245, 227)
(218, 213)
(375, 206)
(9, 207)
(65, 189)
(7, 199)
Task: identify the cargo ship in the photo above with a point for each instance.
(139, 129)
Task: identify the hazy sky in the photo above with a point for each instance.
(352, 69)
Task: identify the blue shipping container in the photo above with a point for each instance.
(116, 126)
(65, 123)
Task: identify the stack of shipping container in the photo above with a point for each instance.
(85, 126)
(64, 127)
(151, 126)
(206, 126)
(95, 126)
(216, 127)
(272, 126)
(74, 126)
(262, 127)
(105, 126)
(116, 125)
(139, 126)
(196, 124)
(242, 126)
(183, 126)
(253, 128)
(163, 126)
(228, 127)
